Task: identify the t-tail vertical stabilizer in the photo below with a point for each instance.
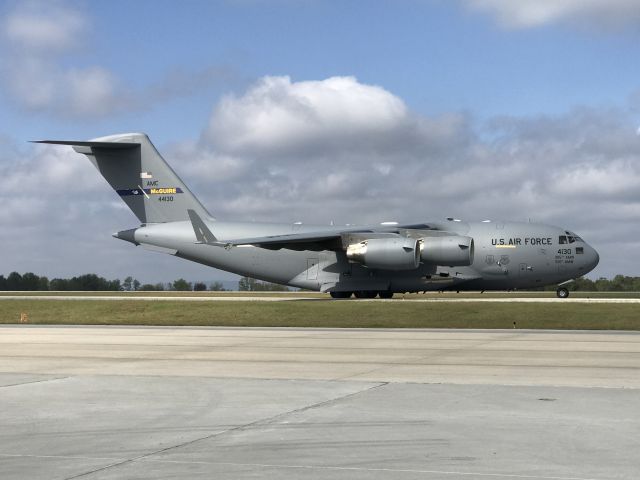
(140, 176)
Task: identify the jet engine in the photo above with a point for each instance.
(386, 253)
(453, 251)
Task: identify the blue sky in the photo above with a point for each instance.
(436, 55)
(502, 79)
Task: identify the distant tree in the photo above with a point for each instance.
(271, 287)
(582, 283)
(126, 284)
(30, 282)
(602, 284)
(14, 281)
(181, 285)
(248, 284)
(199, 287)
(43, 284)
(87, 282)
(150, 287)
(136, 284)
(217, 287)
(59, 285)
(3, 283)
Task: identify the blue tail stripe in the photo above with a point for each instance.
(148, 191)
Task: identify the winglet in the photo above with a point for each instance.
(203, 234)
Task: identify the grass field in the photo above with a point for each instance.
(309, 294)
(315, 313)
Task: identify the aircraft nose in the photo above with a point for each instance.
(594, 259)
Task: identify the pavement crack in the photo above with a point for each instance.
(42, 380)
(238, 428)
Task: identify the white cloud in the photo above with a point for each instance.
(606, 14)
(278, 115)
(42, 71)
(37, 37)
(94, 91)
(36, 26)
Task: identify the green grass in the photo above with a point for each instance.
(309, 294)
(163, 294)
(310, 313)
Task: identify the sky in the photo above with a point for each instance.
(320, 111)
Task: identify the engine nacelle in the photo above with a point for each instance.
(386, 253)
(452, 251)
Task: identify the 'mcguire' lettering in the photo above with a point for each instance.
(149, 191)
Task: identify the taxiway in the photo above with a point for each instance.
(155, 402)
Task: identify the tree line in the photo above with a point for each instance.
(91, 282)
(619, 283)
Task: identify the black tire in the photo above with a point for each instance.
(366, 294)
(340, 294)
(385, 294)
(562, 292)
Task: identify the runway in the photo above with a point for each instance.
(155, 402)
(296, 298)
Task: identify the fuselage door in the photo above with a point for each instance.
(525, 269)
(312, 268)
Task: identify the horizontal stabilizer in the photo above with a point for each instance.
(78, 143)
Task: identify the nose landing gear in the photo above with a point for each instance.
(562, 292)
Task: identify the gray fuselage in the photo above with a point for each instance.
(508, 255)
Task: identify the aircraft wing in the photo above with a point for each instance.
(325, 240)
(333, 239)
(294, 241)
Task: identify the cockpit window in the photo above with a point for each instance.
(562, 239)
(572, 237)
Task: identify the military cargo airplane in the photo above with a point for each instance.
(364, 261)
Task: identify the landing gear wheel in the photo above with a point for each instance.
(340, 294)
(562, 292)
(385, 294)
(366, 294)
